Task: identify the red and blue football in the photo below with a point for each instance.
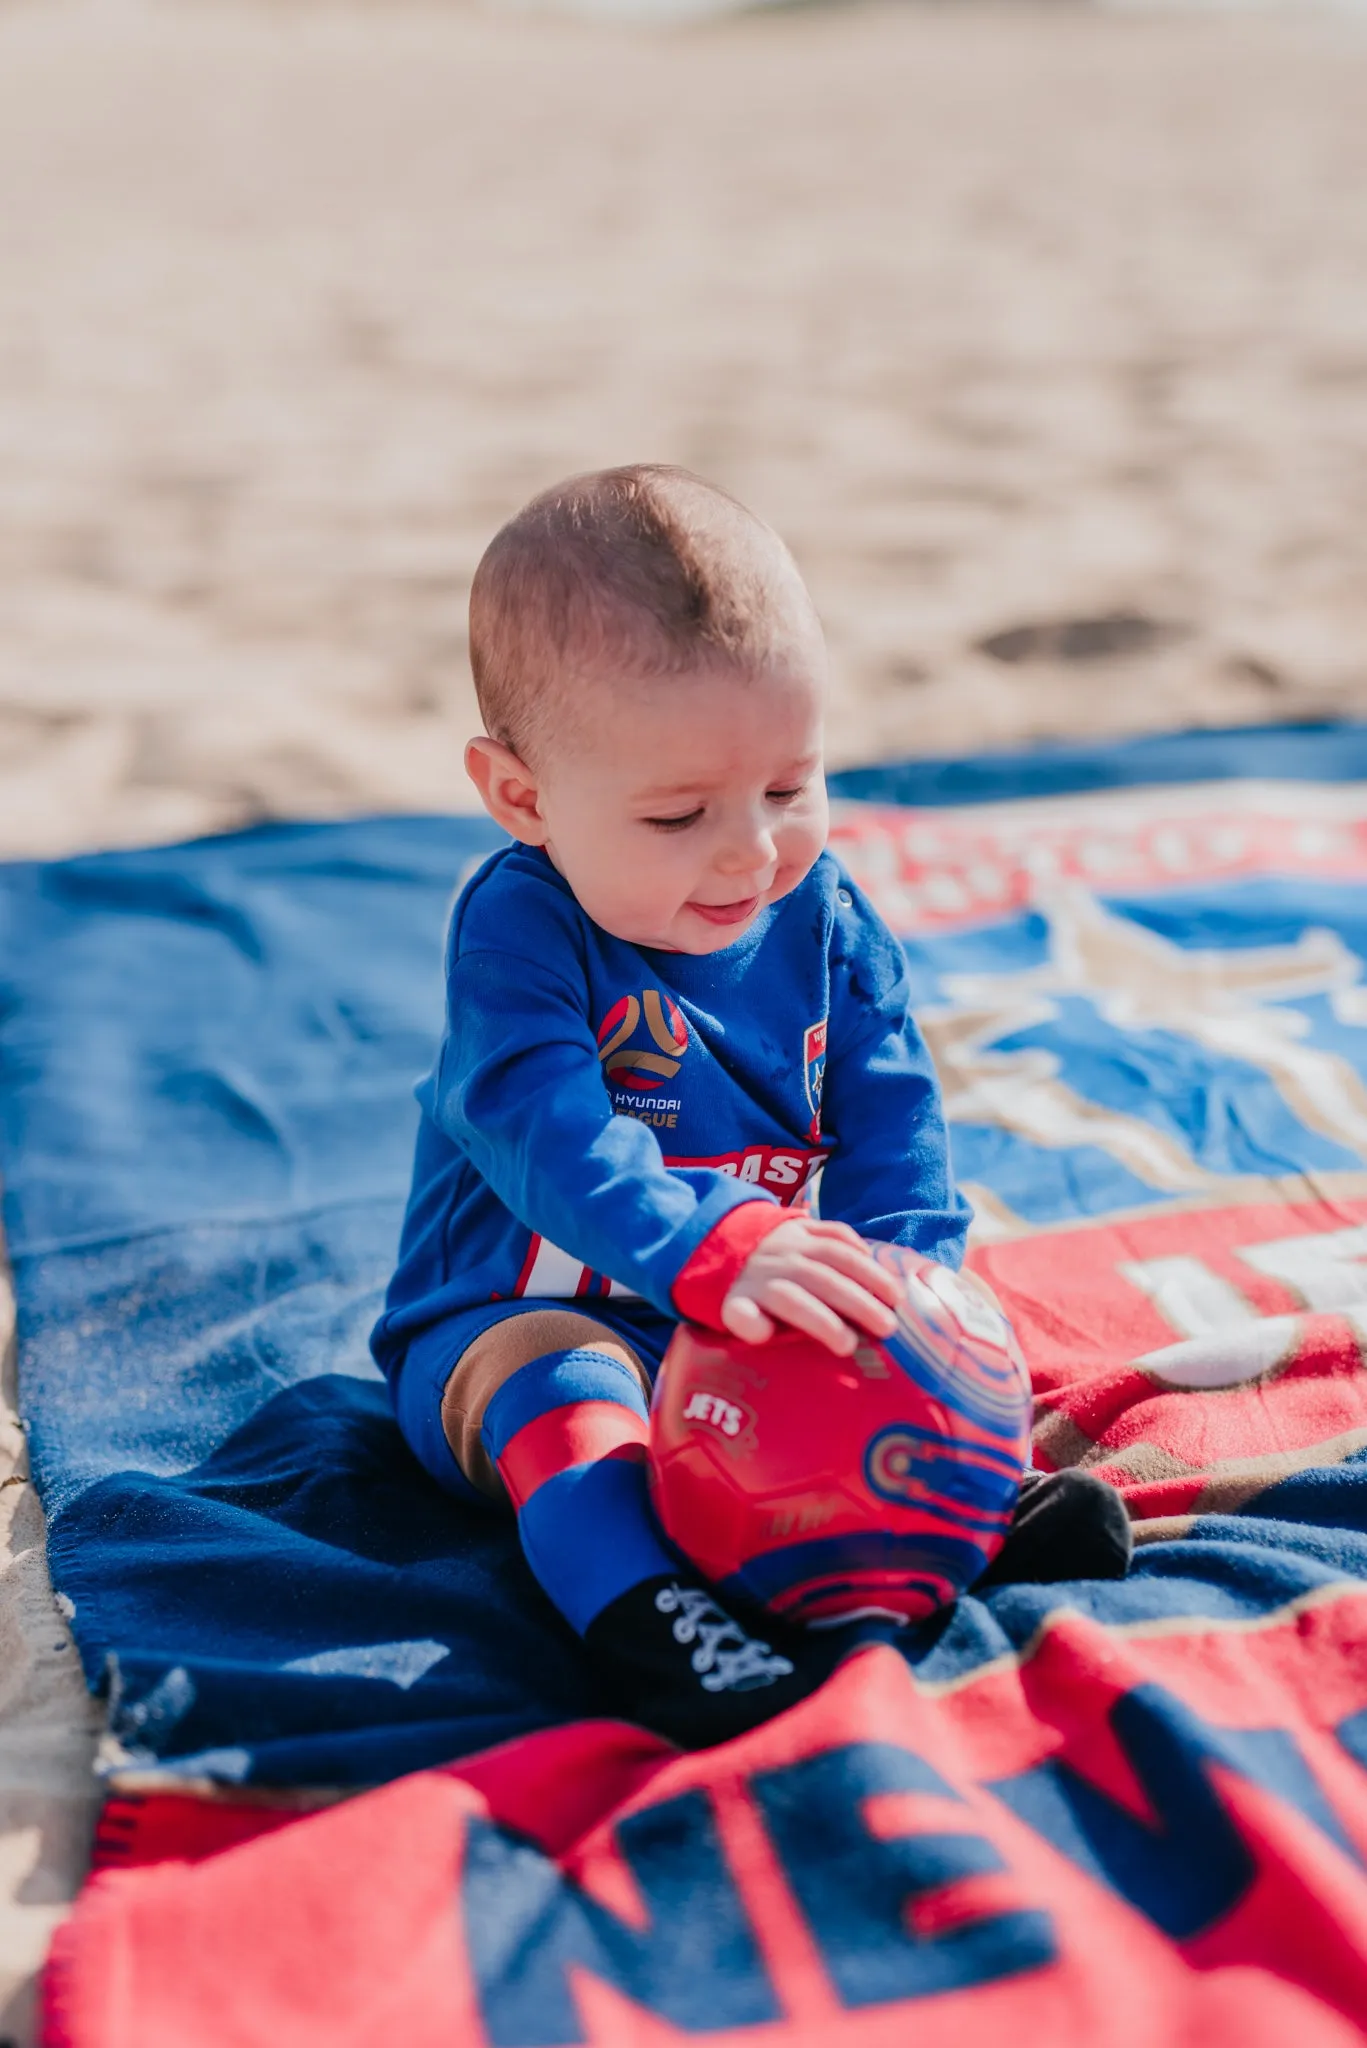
(823, 1487)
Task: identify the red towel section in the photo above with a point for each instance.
(1148, 1834)
(1194, 1425)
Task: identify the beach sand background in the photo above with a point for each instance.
(1040, 333)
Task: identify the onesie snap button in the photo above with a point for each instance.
(844, 898)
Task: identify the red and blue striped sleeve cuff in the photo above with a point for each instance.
(708, 1276)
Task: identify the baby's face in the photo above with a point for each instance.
(686, 804)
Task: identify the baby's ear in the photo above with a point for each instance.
(507, 788)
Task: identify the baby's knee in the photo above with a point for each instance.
(492, 1359)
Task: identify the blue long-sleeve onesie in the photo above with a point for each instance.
(597, 1108)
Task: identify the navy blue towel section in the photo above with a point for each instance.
(206, 1065)
(206, 1061)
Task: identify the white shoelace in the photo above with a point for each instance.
(726, 1659)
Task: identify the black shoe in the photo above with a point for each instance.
(685, 1667)
(1067, 1525)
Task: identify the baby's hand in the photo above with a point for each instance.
(816, 1277)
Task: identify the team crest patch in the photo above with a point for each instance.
(814, 1070)
(642, 1067)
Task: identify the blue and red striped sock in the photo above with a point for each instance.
(568, 1433)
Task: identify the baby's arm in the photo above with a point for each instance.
(519, 1087)
(811, 1276)
(890, 1177)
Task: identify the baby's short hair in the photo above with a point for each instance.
(645, 571)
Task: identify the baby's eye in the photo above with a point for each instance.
(675, 824)
(784, 796)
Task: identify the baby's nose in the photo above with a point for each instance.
(748, 851)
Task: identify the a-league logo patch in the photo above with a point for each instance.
(639, 1068)
(814, 1071)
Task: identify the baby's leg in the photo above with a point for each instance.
(550, 1409)
(504, 1349)
(1067, 1525)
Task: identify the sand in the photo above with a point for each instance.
(1041, 334)
(1006, 318)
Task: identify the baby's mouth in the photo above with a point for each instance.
(727, 913)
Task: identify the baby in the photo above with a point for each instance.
(679, 1076)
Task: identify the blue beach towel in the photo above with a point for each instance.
(206, 1061)
(1143, 972)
